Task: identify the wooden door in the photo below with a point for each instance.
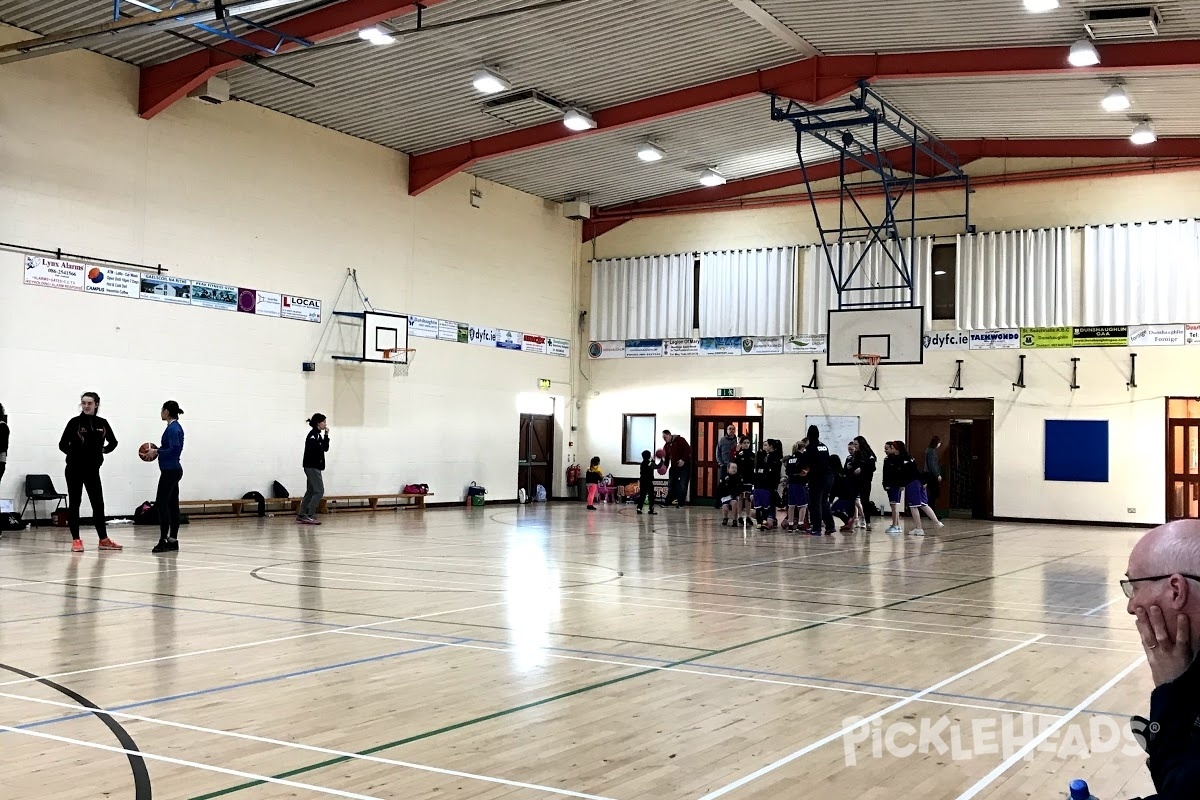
(1183, 469)
(706, 432)
(535, 457)
(966, 456)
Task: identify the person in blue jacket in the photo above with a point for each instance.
(170, 474)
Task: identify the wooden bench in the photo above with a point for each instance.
(371, 502)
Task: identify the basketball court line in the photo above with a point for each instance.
(1033, 743)
(1103, 606)
(242, 646)
(313, 748)
(753, 776)
(119, 575)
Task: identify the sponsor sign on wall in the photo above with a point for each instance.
(304, 309)
(423, 327)
(1036, 338)
(53, 273)
(1100, 336)
(113, 282)
(606, 350)
(644, 348)
(1157, 335)
(947, 340)
(1004, 339)
(682, 347)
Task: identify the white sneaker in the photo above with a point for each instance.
(916, 532)
(941, 524)
(894, 530)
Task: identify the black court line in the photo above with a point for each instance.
(137, 765)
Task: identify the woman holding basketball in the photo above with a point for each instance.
(86, 440)
(316, 445)
(170, 474)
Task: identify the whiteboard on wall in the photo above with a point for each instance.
(836, 432)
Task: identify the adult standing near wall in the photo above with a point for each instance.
(820, 482)
(1163, 587)
(3, 441)
(727, 447)
(316, 445)
(85, 441)
(170, 473)
(933, 472)
(679, 454)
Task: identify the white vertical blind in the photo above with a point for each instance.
(1141, 273)
(876, 269)
(643, 298)
(748, 292)
(1015, 279)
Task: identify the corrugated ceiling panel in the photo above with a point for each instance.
(1048, 107)
(739, 139)
(416, 94)
(835, 26)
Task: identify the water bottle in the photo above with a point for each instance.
(1079, 791)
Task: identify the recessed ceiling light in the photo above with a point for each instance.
(578, 120)
(1143, 133)
(710, 177)
(1084, 54)
(649, 152)
(1116, 99)
(488, 81)
(376, 36)
(1040, 6)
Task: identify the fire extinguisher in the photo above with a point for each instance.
(573, 473)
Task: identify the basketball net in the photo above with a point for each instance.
(401, 360)
(868, 370)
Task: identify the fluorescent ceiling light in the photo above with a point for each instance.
(1084, 54)
(376, 36)
(1040, 6)
(710, 177)
(649, 152)
(578, 120)
(1116, 99)
(488, 81)
(1143, 133)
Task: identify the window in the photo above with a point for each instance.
(945, 280)
(637, 434)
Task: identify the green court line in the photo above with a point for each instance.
(602, 684)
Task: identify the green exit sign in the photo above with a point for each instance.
(726, 392)
(544, 384)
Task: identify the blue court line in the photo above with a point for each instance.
(238, 685)
(472, 640)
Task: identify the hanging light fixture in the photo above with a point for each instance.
(1144, 133)
(1116, 99)
(487, 81)
(577, 120)
(1040, 6)
(710, 177)
(650, 152)
(1083, 54)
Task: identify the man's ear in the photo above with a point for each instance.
(1179, 594)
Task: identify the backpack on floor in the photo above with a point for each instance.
(262, 501)
(279, 491)
(539, 494)
(145, 514)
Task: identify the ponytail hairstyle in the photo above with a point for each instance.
(317, 419)
(95, 398)
(899, 447)
(172, 408)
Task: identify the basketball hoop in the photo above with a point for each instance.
(868, 370)
(401, 360)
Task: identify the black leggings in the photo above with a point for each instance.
(166, 503)
(864, 497)
(78, 479)
(818, 504)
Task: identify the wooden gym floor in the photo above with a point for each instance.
(500, 653)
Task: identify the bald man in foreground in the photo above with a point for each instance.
(1163, 587)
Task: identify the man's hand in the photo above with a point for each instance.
(1169, 653)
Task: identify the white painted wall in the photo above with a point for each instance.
(1137, 427)
(241, 195)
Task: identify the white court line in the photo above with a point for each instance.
(694, 671)
(118, 575)
(740, 782)
(195, 765)
(1104, 606)
(243, 645)
(752, 564)
(987, 780)
(311, 748)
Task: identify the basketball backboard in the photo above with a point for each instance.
(895, 334)
(383, 334)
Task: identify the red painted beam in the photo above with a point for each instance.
(816, 80)
(163, 84)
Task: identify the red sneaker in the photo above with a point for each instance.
(76, 545)
(109, 544)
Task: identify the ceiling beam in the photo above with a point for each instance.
(163, 84)
(774, 27)
(813, 81)
(968, 150)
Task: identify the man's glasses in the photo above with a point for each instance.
(1127, 584)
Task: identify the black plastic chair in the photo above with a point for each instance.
(40, 489)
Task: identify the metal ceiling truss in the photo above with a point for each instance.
(861, 132)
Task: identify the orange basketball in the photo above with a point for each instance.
(147, 452)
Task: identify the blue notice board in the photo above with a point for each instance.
(1077, 450)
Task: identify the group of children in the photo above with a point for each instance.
(811, 486)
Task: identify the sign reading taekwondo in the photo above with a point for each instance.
(1009, 339)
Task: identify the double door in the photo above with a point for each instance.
(1183, 468)
(706, 432)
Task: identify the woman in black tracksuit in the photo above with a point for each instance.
(820, 482)
(316, 445)
(86, 440)
(3, 441)
(861, 470)
(746, 461)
